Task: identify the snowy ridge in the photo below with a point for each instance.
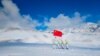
(85, 36)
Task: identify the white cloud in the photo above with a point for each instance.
(62, 21)
(10, 17)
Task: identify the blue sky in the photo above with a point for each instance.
(43, 11)
(51, 8)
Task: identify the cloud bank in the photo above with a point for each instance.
(10, 17)
(62, 21)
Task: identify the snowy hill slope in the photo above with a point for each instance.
(77, 36)
(27, 36)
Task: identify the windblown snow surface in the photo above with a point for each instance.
(34, 43)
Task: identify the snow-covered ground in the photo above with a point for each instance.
(41, 50)
(84, 39)
(80, 43)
